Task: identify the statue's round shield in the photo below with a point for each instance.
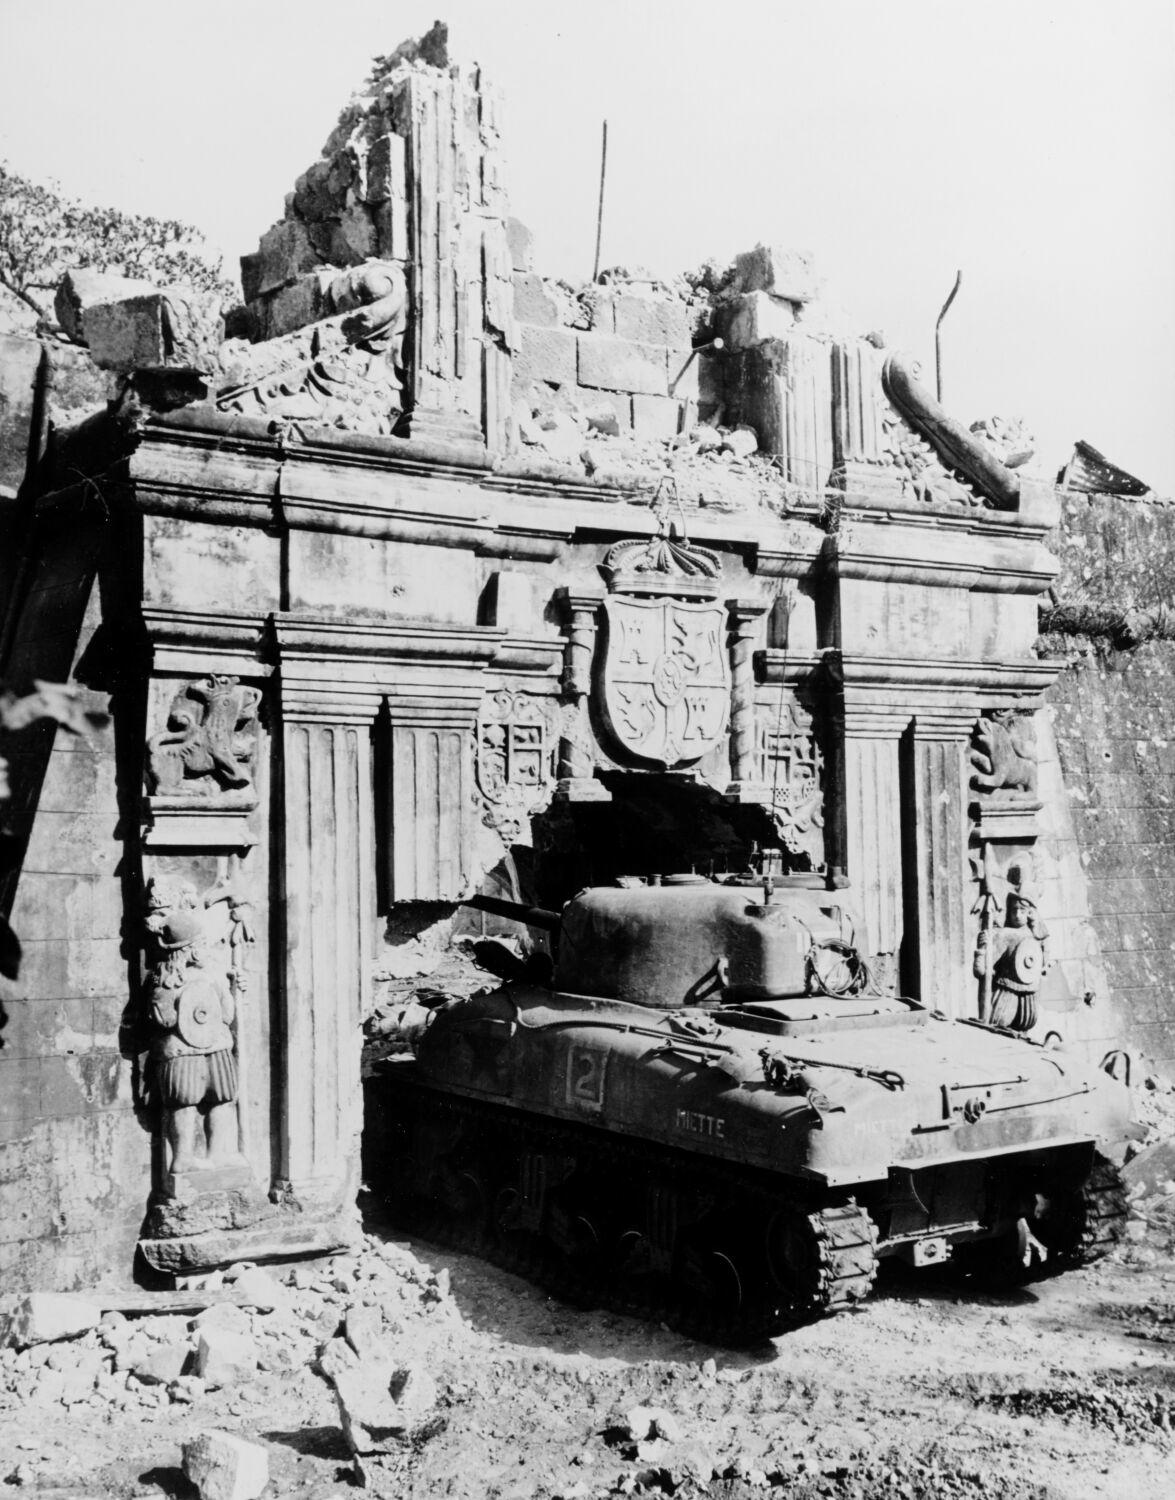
(198, 1017)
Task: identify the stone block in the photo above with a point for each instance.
(42, 1028)
(379, 1407)
(81, 289)
(224, 1357)
(521, 243)
(56, 906)
(257, 1287)
(606, 411)
(651, 320)
(227, 1316)
(533, 303)
(755, 317)
(225, 1467)
(285, 252)
(319, 192)
(620, 365)
(56, 967)
(655, 419)
(296, 305)
(778, 269)
(176, 329)
(44, 1317)
(354, 235)
(363, 1328)
(546, 354)
(162, 1363)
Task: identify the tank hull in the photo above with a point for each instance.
(748, 1165)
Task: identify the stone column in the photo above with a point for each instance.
(939, 967)
(744, 616)
(872, 820)
(327, 910)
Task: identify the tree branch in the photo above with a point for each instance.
(23, 295)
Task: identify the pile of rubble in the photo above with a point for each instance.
(368, 1323)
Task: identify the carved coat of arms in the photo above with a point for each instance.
(666, 679)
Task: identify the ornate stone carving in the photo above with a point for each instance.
(663, 564)
(791, 768)
(665, 678)
(1011, 959)
(191, 997)
(515, 752)
(667, 563)
(962, 453)
(341, 372)
(1003, 755)
(209, 744)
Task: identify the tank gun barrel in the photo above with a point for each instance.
(517, 911)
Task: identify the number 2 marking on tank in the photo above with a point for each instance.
(586, 1067)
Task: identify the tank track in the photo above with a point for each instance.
(1103, 1213)
(744, 1302)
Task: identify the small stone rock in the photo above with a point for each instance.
(258, 1288)
(186, 1388)
(162, 1364)
(82, 1376)
(336, 1356)
(224, 1357)
(222, 1315)
(742, 442)
(225, 1467)
(43, 1317)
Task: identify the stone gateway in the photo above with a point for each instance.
(439, 578)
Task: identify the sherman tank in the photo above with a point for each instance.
(707, 1111)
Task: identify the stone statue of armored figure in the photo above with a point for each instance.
(1011, 960)
(191, 997)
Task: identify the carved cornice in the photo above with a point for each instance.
(186, 641)
(945, 553)
(342, 671)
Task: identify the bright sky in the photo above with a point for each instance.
(1030, 143)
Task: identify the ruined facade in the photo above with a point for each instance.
(436, 577)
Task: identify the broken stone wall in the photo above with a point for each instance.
(1112, 712)
(74, 1163)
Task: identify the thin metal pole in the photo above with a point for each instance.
(937, 338)
(600, 210)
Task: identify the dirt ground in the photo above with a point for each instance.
(934, 1388)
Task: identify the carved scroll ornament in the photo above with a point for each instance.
(341, 372)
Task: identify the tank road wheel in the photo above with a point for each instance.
(821, 1262)
(1080, 1225)
(712, 1288)
(1073, 1225)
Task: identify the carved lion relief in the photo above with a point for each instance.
(209, 744)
